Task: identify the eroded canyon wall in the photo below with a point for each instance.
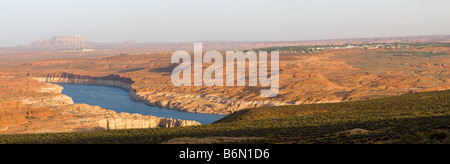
(42, 108)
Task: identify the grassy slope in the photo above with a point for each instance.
(386, 119)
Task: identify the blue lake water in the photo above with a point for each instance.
(118, 99)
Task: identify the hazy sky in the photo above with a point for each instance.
(24, 21)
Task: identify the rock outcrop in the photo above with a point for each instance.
(42, 108)
(95, 117)
(198, 103)
(112, 80)
(328, 76)
(13, 113)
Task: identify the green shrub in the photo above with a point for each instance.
(398, 119)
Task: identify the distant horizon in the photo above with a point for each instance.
(175, 21)
(87, 39)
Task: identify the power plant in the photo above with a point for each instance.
(79, 42)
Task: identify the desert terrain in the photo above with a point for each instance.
(28, 106)
(31, 105)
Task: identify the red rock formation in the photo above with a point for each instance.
(27, 106)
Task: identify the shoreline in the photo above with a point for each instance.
(112, 83)
(185, 103)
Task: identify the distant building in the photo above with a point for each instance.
(61, 41)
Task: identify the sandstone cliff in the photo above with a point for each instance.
(199, 103)
(328, 76)
(112, 80)
(44, 109)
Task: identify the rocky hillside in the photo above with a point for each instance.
(27, 106)
(411, 118)
(329, 76)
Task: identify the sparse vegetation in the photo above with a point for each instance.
(401, 119)
(435, 137)
(420, 54)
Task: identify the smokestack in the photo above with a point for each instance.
(76, 42)
(82, 42)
